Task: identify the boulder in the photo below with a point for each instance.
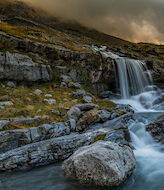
(102, 163)
(3, 123)
(104, 115)
(38, 92)
(11, 84)
(156, 129)
(50, 101)
(86, 107)
(89, 118)
(74, 113)
(18, 67)
(87, 99)
(6, 103)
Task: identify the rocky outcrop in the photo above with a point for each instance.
(14, 66)
(29, 149)
(103, 164)
(84, 67)
(157, 68)
(13, 139)
(51, 143)
(156, 129)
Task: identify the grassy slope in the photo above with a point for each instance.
(50, 30)
(70, 34)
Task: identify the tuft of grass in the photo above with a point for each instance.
(104, 104)
(25, 101)
(99, 138)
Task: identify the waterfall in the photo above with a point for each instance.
(133, 76)
(134, 82)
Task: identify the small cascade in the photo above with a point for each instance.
(133, 77)
(135, 83)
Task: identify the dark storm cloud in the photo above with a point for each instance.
(136, 20)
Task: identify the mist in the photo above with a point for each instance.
(133, 20)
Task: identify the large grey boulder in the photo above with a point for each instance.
(14, 66)
(102, 163)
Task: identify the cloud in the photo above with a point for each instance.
(135, 20)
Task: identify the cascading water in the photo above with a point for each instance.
(133, 77)
(135, 83)
(136, 89)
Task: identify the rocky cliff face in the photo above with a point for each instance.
(21, 68)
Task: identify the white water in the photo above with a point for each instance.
(136, 89)
(149, 173)
(135, 83)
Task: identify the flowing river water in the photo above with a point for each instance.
(136, 90)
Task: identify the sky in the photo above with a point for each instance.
(133, 20)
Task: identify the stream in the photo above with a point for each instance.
(137, 90)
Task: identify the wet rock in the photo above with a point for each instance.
(125, 108)
(88, 118)
(34, 140)
(114, 115)
(11, 84)
(119, 136)
(60, 129)
(39, 153)
(74, 113)
(104, 115)
(109, 94)
(102, 164)
(38, 92)
(159, 100)
(156, 129)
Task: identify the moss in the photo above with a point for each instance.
(27, 104)
(103, 104)
(56, 76)
(120, 128)
(99, 138)
(70, 66)
(121, 112)
(14, 125)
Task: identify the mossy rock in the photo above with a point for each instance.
(99, 138)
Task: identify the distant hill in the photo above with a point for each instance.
(20, 14)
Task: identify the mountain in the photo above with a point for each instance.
(22, 27)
